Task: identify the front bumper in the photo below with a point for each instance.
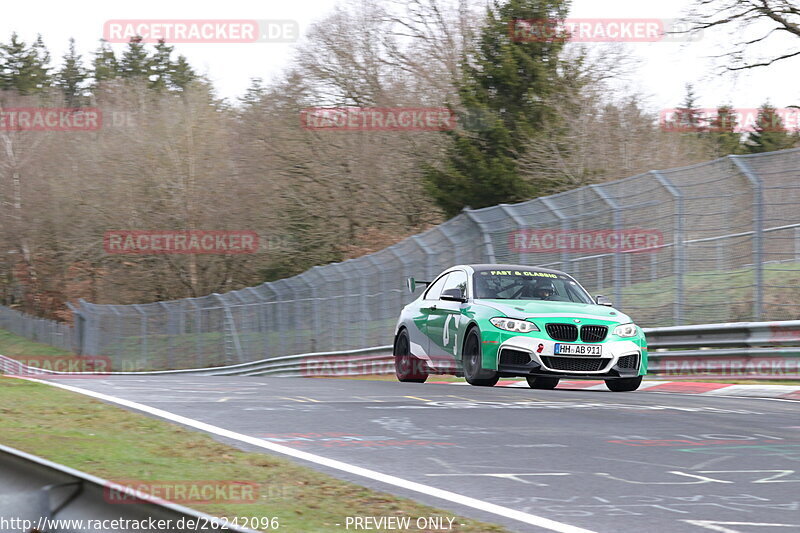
(528, 356)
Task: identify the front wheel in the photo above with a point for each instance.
(624, 385)
(541, 383)
(407, 368)
(473, 362)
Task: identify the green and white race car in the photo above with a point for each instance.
(491, 321)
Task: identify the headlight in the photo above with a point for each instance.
(625, 330)
(512, 324)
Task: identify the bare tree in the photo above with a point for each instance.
(754, 27)
(591, 137)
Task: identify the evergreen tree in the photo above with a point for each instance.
(24, 68)
(769, 132)
(182, 74)
(504, 83)
(71, 77)
(688, 116)
(160, 66)
(722, 134)
(254, 93)
(134, 63)
(37, 70)
(106, 66)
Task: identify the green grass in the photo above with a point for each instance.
(13, 346)
(715, 296)
(116, 444)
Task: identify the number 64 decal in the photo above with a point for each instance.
(446, 334)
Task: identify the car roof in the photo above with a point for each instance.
(504, 266)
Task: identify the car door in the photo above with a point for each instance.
(444, 321)
(420, 341)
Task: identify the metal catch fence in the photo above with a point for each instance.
(58, 334)
(707, 243)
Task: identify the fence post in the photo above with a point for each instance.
(429, 273)
(680, 246)
(342, 311)
(564, 224)
(519, 223)
(407, 272)
(79, 324)
(487, 240)
(618, 252)
(143, 333)
(229, 330)
(797, 244)
(316, 321)
(448, 237)
(263, 330)
(169, 333)
(758, 232)
(273, 318)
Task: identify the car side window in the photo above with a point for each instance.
(436, 289)
(456, 280)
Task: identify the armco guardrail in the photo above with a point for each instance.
(740, 350)
(377, 360)
(39, 495)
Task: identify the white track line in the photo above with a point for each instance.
(453, 497)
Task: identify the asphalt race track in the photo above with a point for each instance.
(602, 461)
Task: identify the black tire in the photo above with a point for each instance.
(471, 361)
(407, 368)
(538, 382)
(624, 385)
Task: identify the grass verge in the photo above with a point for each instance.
(15, 346)
(116, 444)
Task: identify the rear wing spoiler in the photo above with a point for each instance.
(412, 283)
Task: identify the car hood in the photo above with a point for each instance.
(538, 308)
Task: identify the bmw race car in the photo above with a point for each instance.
(485, 322)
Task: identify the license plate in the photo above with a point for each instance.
(578, 349)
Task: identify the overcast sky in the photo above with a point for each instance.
(663, 71)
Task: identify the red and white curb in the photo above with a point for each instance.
(786, 392)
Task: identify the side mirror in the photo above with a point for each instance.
(452, 295)
(602, 300)
(412, 283)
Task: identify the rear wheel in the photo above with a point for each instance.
(535, 382)
(624, 385)
(407, 368)
(472, 362)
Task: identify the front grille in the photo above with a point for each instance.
(514, 357)
(574, 363)
(629, 361)
(593, 333)
(562, 332)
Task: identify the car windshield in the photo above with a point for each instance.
(528, 285)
